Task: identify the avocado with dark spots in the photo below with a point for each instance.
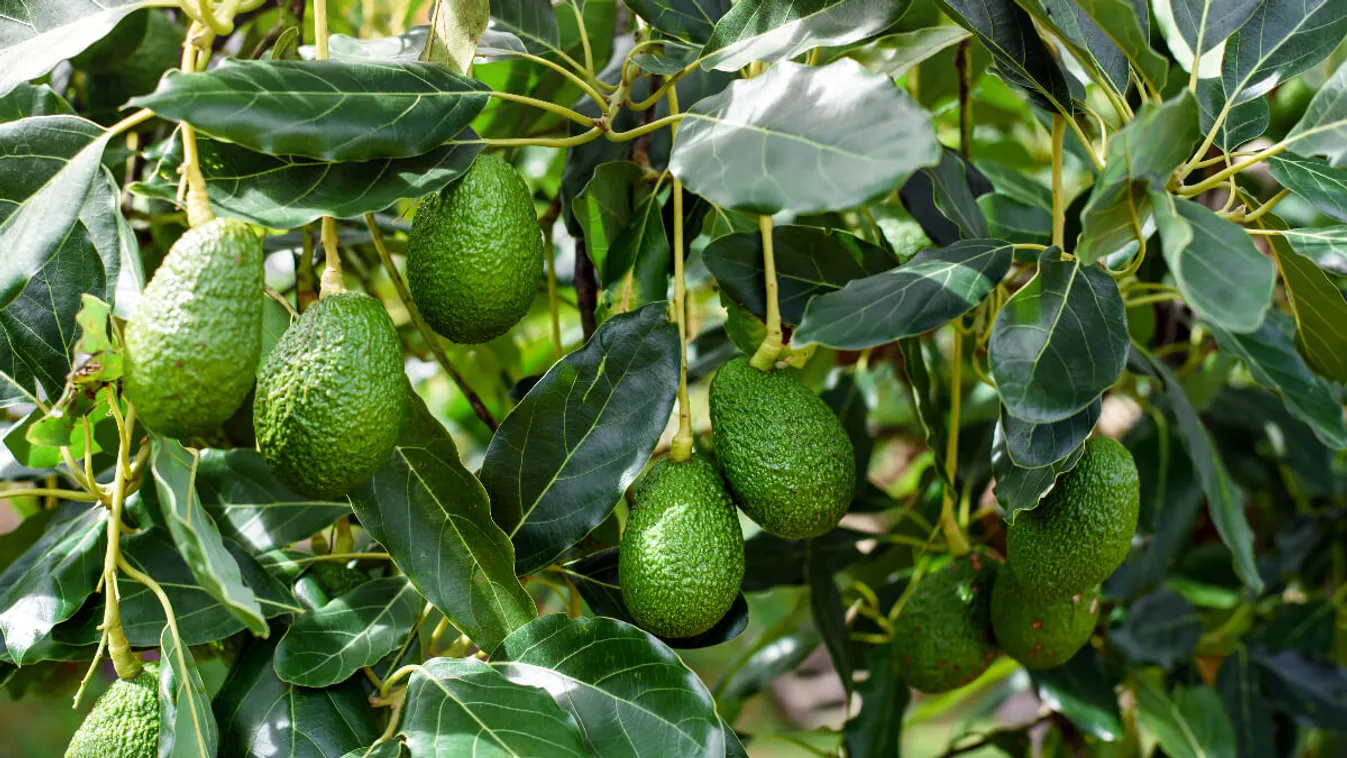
(786, 456)
(475, 253)
(1038, 633)
(682, 555)
(330, 397)
(943, 636)
(193, 344)
(124, 723)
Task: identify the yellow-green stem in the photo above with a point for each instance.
(123, 657)
(681, 449)
(1058, 196)
(1217, 179)
(573, 141)
(574, 79)
(198, 202)
(765, 357)
(1259, 212)
(655, 125)
(664, 88)
(949, 522)
(332, 281)
(83, 497)
(546, 105)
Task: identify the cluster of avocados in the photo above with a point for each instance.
(1042, 604)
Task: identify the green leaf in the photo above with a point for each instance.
(930, 290)
(1059, 342)
(691, 20)
(1270, 356)
(1222, 275)
(261, 715)
(1246, 121)
(1191, 725)
(1128, 24)
(251, 506)
(855, 142)
(809, 262)
(828, 612)
(1248, 709)
(328, 645)
(927, 400)
(1319, 308)
(195, 534)
(639, 259)
(329, 110)
(563, 457)
(461, 706)
(1314, 180)
(389, 749)
(896, 54)
(1097, 53)
(459, 26)
(943, 199)
(777, 30)
(1079, 691)
(35, 35)
(404, 48)
(1030, 444)
(631, 696)
(771, 561)
(51, 579)
(1280, 40)
(1141, 156)
(877, 730)
(1225, 502)
(1323, 128)
(1313, 691)
(1161, 628)
(1015, 221)
(187, 725)
(1021, 56)
(1204, 24)
(1018, 486)
(672, 58)
(434, 518)
(29, 100)
(532, 21)
(287, 192)
(604, 208)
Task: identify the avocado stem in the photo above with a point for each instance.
(681, 449)
(765, 357)
(332, 282)
(124, 659)
(198, 201)
(949, 523)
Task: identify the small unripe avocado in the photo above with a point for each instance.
(475, 253)
(785, 454)
(1038, 633)
(1082, 530)
(330, 397)
(124, 723)
(943, 636)
(193, 345)
(682, 556)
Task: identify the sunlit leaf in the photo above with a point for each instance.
(329, 644)
(776, 30)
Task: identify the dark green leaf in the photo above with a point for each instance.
(29, 100)
(896, 54)
(1016, 221)
(1314, 179)
(877, 730)
(1059, 342)
(771, 561)
(187, 725)
(777, 30)
(927, 400)
(1018, 486)
(263, 716)
(286, 192)
(434, 518)
(389, 749)
(1128, 25)
(604, 208)
(1244, 122)
(943, 199)
(690, 20)
(772, 657)
(328, 110)
(1160, 628)
(35, 35)
(461, 706)
(1079, 691)
(1310, 628)
(327, 645)
(630, 694)
(195, 534)
(1313, 691)
(251, 506)
(1021, 56)
(1248, 709)
(809, 262)
(825, 601)
(1280, 40)
(1191, 725)
(1323, 128)
(1320, 311)
(49, 582)
(855, 142)
(1032, 444)
(563, 457)
(1204, 24)
(850, 404)
(672, 58)
(639, 259)
(532, 21)
(930, 290)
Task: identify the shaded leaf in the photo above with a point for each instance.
(896, 54)
(1128, 25)
(604, 208)
(1204, 24)
(772, 657)
(187, 727)
(1160, 628)
(927, 400)
(251, 506)
(639, 259)
(1032, 444)
(1314, 691)
(877, 730)
(771, 561)
(1020, 486)
(1248, 709)
(1319, 308)
(943, 199)
(1021, 56)
(35, 35)
(1080, 691)
(825, 602)
(532, 21)
(1244, 122)
(690, 20)
(1015, 221)
(1190, 725)
(329, 644)
(29, 100)
(1324, 186)
(777, 30)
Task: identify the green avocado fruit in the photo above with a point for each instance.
(682, 555)
(1082, 530)
(336, 579)
(787, 459)
(475, 254)
(330, 397)
(943, 636)
(124, 723)
(1041, 634)
(193, 345)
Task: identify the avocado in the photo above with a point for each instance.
(475, 253)
(336, 579)
(330, 397)
(1082, 530)
(786, 457)
(682, 554)
(124, 723)
(1041, 634)
(193, 345)
(943, 636)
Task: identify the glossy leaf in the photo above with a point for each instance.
(1320, 311)
(876, 731)
(286, 192)
(852, 143)
(1089, 43)
(187, 725)
(1128, 24)
(809, 262)
(777, 30)
(32, 100)
(1280, 40)
(1244, 122)
(1190, 724)
(329, 110)
(563, 457)
(1015, 221)
(1160, 628)
(195, 534)
(927, 401)
(1324, 186)
(639, 259)
(1018, 486)
(1323, 128)
(1030, 444)
(935, 287)
(1222, 276)
(36, 35)
(774, 654)
(461, 706)
(943, 199)
(896, 54)
(1080, 691)
(630, 695)
(1204, 24)
(329, 644)
(604, 208)
(1021, 56)
(532, 21)
(251, 506)
(1059, 342)
(690, 20)
(1249, 711)
(434, 518)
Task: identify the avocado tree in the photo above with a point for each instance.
(443, 378)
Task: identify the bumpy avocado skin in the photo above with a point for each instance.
(330, 397)
(475, 254)
(943, 636)
(193, 345)
(682, 556)
(783, 451)
(1041, 634)
(1082, 530)
(124, 723)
